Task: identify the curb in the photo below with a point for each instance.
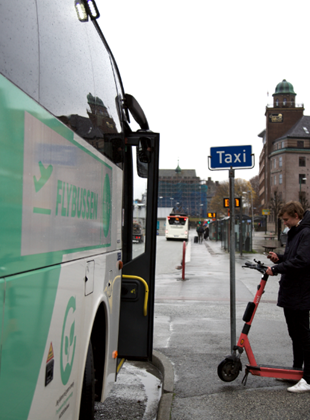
(164, 365)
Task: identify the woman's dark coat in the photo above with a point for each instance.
(294, 265)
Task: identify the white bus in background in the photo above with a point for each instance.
(177, 227)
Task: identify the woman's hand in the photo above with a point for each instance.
(269, 272)
(273, 257)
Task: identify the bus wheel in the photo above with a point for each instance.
(88, 390)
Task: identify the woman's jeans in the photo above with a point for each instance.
(298, 329)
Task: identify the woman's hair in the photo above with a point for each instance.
(291, 208)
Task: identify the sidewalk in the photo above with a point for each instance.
(259, 241)
(194, 316)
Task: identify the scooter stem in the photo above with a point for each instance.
(243, 342)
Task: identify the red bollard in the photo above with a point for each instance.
(183, 260)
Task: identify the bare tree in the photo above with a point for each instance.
(275, 206)
(255, 186)
(303, 201)
(241, 186)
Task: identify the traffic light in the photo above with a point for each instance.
(211, 215)
(226, 202)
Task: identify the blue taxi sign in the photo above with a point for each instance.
(228, 157)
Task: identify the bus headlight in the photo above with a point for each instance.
(85, 8)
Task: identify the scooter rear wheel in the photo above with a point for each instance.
(228, 370)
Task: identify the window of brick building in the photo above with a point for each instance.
(302, 161)
(300, 143)
(280, 178)
(280, 161)
(302, 178)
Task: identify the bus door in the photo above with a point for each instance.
(138, 277)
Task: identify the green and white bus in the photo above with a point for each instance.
(74, 301)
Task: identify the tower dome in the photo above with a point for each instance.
(283, 88)
(178, 170)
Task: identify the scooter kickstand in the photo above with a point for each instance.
(245, 378)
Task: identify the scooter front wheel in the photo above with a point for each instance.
(228, 370)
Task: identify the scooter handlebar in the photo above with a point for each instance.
(259, 266)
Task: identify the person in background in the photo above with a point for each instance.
(200, 233)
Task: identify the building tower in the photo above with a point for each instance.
(281, 148)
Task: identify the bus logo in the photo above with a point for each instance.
(68, 341)
(106, 205)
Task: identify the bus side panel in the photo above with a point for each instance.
(59, 378)
(112, 294)
(58, 387)
(56, 190)
(28, 306)
(2, 296)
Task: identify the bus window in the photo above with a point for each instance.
(93, 109)
(139, 208)
(177, 221)
(21, 45)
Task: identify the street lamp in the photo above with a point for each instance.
(246, 201)
(252, 218)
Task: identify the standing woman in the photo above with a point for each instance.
(294, 292)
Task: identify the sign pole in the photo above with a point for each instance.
(232, 259)
(231, 158)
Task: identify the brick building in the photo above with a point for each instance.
(285, 158)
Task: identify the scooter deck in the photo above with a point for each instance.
(270, 371)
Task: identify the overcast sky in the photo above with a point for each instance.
(202, 70)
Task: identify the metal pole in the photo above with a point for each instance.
(240, 229)
(232, 259)
(252, 211)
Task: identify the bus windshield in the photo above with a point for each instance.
(177, 220)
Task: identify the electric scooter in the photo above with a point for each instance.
(228, 370)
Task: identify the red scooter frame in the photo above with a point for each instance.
(228, 370)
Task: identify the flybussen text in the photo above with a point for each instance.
(75, 201)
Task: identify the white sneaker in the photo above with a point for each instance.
(301, 386)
